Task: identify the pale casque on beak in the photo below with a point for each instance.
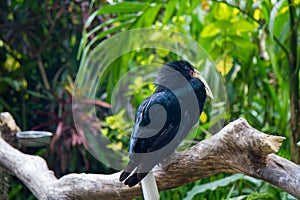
(197, 74)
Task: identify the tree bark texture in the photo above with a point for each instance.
(237, 148)
(8, 130)
(294, 84)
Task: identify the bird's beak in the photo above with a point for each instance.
(197, 74)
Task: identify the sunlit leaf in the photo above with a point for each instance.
(11, 64)
(225, 65)
(210, 30)
(115, 147)
(225, 12)
(243, 26)
(257, 14)
(162, 52)
(203, 117)
(138, 81)
(283, 10)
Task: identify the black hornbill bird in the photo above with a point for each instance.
(163, 120)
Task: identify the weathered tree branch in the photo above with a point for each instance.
(237, 148)
(8, 130)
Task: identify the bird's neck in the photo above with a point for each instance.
(189, 89)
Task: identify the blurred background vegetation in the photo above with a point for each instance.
(254, 44)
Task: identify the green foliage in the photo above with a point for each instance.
(248, 41)
(117, 130)
(35, 37)
(256, 195)
(212, 185)
(38, 46)
(139, 91)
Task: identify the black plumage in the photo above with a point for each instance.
(164, 119)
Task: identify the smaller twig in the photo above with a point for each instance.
(43, 72)
(280, 45)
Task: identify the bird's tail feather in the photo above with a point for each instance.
(149, 187)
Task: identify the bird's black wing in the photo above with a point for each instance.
(157, 121)
(162, 121)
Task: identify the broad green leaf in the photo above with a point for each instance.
(224, 24)
(281, 29)
(243, 43)
(225, 12)
(273, 16)
(210, 30)
(225, 65)
(170, 8)
(257, 14)
(243, 26)
(182, 8)
(283, 10)
(149, 16)
(123, 7)
(266, 7)
(212, 185)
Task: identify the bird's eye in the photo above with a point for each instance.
(191, 71)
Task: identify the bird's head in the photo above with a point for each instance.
(189, 72)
